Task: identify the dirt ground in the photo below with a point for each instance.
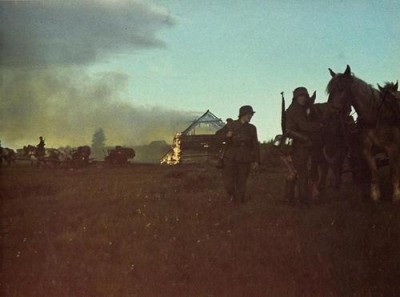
(150, 230)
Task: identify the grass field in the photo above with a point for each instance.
(149, 230)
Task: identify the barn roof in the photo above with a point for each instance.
(199, 134)
(207, 119)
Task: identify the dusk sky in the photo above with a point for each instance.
(142, 70)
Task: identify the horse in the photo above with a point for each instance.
(391, 97)
(119, 155)
(377, 122)
(48, 156)
(7, 155)
(328, 150)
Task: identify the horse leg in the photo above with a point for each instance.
(313, 180)
(394, 161)
(375, 191)
(313, 189)
(324, 168)
(339, 170)
(396, 190)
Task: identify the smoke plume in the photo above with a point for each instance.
(67, 107)
(45, 89)
(76, 32)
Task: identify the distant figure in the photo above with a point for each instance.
(40, 147)
(241, 150)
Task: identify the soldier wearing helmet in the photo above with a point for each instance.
(299, 128)
(40, 147)
(241, 152)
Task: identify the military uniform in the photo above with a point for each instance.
(300, 128)
(242, 149)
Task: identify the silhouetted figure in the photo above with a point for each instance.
(241, 150)
(299, 128)
(40, 147)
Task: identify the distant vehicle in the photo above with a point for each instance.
(119, 155)
(80, 156)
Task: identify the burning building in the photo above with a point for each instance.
(197, 143)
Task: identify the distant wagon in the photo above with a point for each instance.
(8, 155)
(49, 156)
(80, 156)
(119, 155)
(52, 157)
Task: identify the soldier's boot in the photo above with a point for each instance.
(290, 191)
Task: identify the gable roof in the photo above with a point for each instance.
(208, 119)
(174, 155)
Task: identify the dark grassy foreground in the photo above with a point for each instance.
(149, 230)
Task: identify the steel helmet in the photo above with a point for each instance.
(246, 109)
(300, 91)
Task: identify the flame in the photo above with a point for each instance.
(175, 155)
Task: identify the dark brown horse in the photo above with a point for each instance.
(377, 121)
(329, 150)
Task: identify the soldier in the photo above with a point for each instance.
(242, 149)
(299, 128)
(40, 147)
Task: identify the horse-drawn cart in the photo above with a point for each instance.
(51, 157)
(80, 157)
(119, 155)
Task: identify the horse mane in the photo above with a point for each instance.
(389, 87)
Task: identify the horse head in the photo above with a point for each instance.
(346, 90)
(390, 89)
(311, 100)
(339, 89)
(390, 97)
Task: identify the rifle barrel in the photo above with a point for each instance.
(283, 114)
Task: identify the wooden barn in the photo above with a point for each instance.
(197, 143)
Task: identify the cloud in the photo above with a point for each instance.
(68, 106)
(43, 33)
